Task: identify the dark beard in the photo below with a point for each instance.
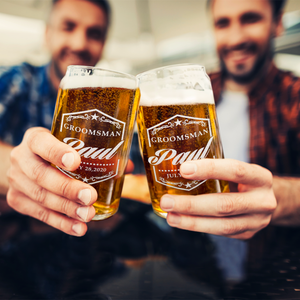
(257, 69)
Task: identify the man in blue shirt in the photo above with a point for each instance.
(75, 35)
(28, 93)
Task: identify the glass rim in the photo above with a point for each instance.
(138, 76)
(102, 69)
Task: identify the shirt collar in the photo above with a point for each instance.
(217, 80)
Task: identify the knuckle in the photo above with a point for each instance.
(39, 195)
(191, 224)
(64, 208)
(265, 177)
(239, 170)
(11, 199)
(10, 177)
(30, 135)
(269, 203)
(188, 205)
(225, 205)
(52, 152)
(61, 225)
(43, 215)
(246, 235)
(271, 206)
(265, 222)
(229, 227)
(38, 172)
(64, 188)
(269, 179)
(212, 168)
(14, 155)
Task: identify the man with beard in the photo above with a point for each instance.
(258, 108)
(75, 35)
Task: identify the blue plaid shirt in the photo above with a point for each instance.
(27, 99)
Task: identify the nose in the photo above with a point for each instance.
(236, 35)
(78, 41)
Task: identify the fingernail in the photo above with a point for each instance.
(174, 219)
(167, 203)
(68, 160)
(83, 212)
(188, 168)
(85, 196)
(77, 229)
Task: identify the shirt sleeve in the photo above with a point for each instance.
(12, 85)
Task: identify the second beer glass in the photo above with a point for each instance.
(95, 114)
(177, 122)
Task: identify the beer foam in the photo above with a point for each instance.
(157, 97)
(76, 82)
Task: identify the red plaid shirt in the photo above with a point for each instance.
(274, 105)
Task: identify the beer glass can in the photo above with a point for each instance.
(95, 114)
(177, 122)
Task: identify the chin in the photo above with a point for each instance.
(241, 74)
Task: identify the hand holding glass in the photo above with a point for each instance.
(177, 122)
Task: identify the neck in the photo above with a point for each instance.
(231, 85)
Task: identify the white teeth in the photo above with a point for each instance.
(238, 54)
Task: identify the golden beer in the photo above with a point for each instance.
(176, 125)
(97, 120)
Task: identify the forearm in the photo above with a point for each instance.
(287, 193)
(5, 150)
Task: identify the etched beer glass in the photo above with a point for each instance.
(177, 122)
(95, 114)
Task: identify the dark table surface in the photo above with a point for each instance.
(136, 255)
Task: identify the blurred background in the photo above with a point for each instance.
(144, 34)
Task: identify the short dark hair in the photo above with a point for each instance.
(103, 4)
(277, 7)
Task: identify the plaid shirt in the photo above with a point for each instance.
(27, 99)
(274, 105)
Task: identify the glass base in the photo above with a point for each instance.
(161, 214)
(102, 217)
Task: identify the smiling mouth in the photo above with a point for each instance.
(239, 53)
(239, 56)
(77, 61)
(79, 58)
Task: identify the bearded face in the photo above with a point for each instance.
(75, 34)
(244, 33)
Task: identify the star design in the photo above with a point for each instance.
(178, 122)
(94, 117)
(85, 179)
(188, 185)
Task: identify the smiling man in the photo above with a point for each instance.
(244, 32)
(258, 108)
(75, 34)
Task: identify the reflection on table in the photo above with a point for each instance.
(138, 256)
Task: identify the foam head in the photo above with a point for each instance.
(175, 85)
(153, 95)
(85, 77)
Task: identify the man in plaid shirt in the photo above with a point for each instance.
(258, 108)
